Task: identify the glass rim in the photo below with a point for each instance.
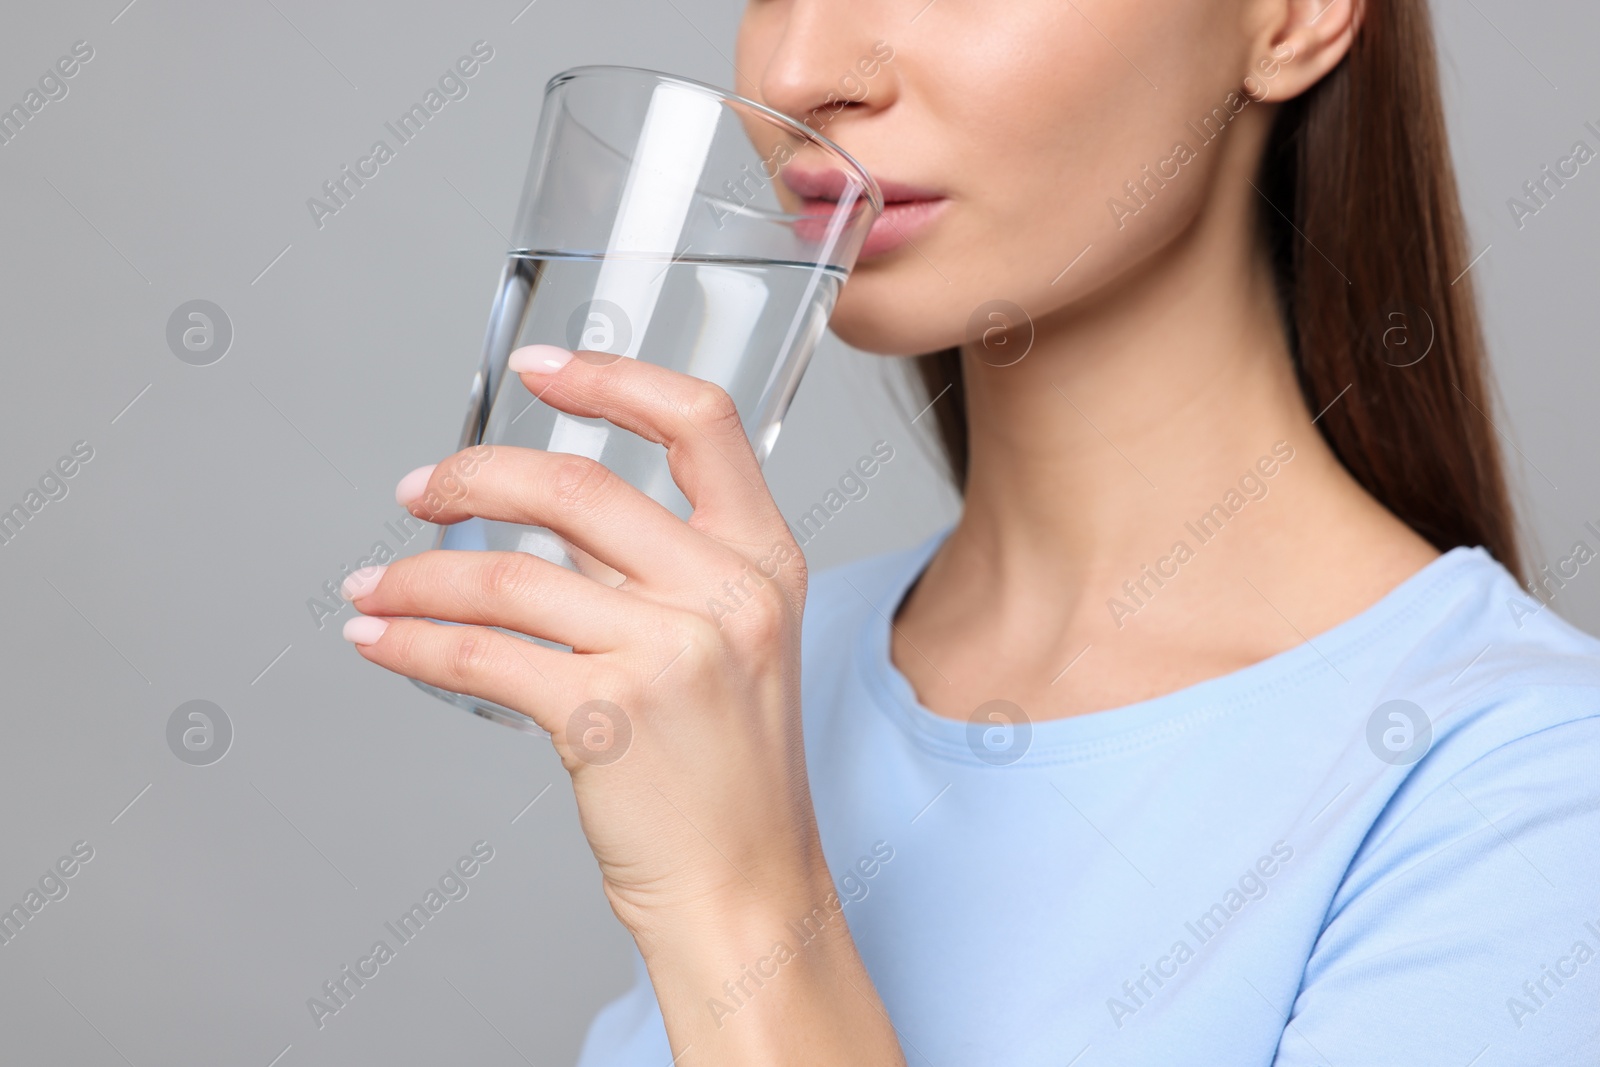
(874, 194)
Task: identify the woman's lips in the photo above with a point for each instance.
(907, 209)
(900, 221)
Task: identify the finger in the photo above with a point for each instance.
(708, 451)
(477, 661)
(577, 497)
(514, 590)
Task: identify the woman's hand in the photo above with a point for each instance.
(678, 712)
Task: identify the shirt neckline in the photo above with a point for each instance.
(1142, 724)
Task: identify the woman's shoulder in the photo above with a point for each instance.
(1468, 882)
(1496, 663)
(1490, 719)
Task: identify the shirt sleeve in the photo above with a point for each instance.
(1468, 933)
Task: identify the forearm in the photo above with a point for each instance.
(775, 982)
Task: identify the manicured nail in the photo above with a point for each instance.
(364, 629)
(412, 485)
(360, 583)
(538, 359)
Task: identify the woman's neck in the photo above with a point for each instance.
(1166, 414)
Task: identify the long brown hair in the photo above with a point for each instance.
(1360, 166)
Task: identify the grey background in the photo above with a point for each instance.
(179, 565)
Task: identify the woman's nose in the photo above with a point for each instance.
(827, 60)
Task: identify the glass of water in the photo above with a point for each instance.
(666, 220)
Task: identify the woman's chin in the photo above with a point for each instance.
(890, 339)
(871, 319)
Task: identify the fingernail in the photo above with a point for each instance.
(360, 583)
(364, 629)
(412, 485)
(538, 359)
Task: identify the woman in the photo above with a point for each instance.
(1217, 730)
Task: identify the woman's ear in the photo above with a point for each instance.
(1298, 42)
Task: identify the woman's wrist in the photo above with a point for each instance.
(764, 978)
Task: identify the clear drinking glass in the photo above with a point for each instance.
(656, 224)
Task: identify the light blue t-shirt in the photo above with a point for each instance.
(1379, 847)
